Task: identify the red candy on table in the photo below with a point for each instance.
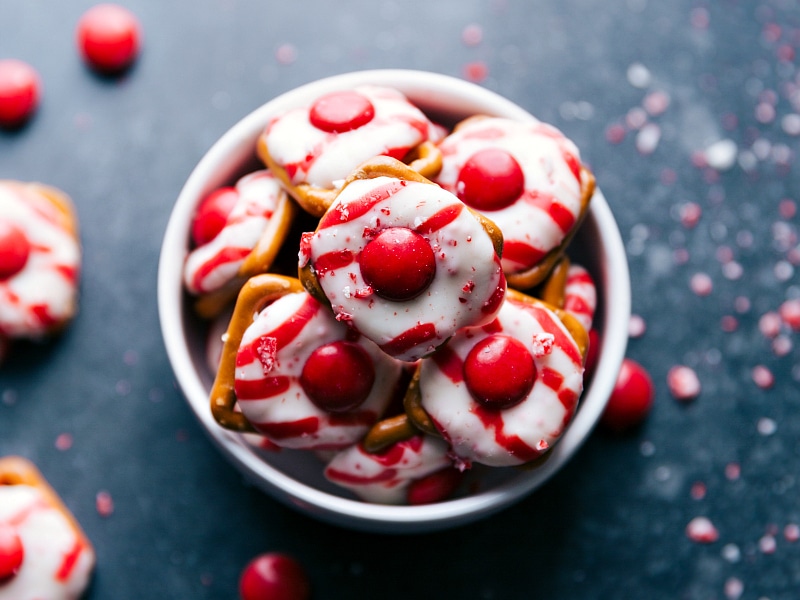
(108, 37)
(499, 372)
(274, 576)
(338, 377)
(19, 92)
(212, 214)
(631, 399)
(14, 249)
(490, 180)
(398, 264)
(12, 552)
(338, 112)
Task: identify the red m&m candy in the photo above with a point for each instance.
(338, 112)
(12, 552)
(19, 92)
(109, 37)
(274, 576)
(490, 180)
(14, 249)
(499, 372)
(631, 398)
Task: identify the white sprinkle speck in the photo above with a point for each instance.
(721, 155)
(701, 284)
(639, 76)
(791, 124)
(733, 588)
(766, 426)
(636, 326)
(648, 137)
(731, 553)
(647, 448)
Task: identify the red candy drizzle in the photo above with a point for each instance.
(338, 112)
(499, 372)
(338, 377)
(212, 214)
(12, 552)
(14, 249)
(490, 180)
(398, 264)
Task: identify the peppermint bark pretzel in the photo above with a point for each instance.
(403, 261)
(43, 551)
(527, 177)
(305, 380)
(40, 260)
(238, 231)
(312, 149)
(530, 349)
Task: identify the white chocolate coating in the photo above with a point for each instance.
(210, 266)
(43, 295)
(324, 160)
(466, 289)
(580, 295)
(269, 364)
(521, 433)
(541, 217)
(57, 563)
(384, 477)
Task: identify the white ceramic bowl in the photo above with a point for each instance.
(294, 477)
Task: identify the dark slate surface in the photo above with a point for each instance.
(645, 88)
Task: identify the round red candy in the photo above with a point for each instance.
(499, 372)
(435, 487)
(109, 36)
(212, 214)
(490, 180)
(631, 399)
(338, 112)
(274, 576)
(20, 89)
(14, 249)
(338, 377)
(398, 264)
(12, 552)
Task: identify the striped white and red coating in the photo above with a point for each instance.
(550, 205)
(324, 160)
(384, 477)
(210, 266)
(270, 361)
(57, 561)
(580, 295)
(43, 295)
(523, 432)
(467, 289)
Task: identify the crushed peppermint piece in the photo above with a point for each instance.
(733, 471)
(104, 503)
(637, 326)
(767, 544)
(683, 383)
(543, 344)
(791, 532)
(702, 531)
(789, 312)
(763, 377)
(698, 490)
(770, 324)
(472, 35)
(267, 351)
(701, 284)
(734, 588)
(64, 441)
(731, 553)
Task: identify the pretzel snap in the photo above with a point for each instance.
(312, 149)
(45, 553)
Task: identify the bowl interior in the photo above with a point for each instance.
(295, 477)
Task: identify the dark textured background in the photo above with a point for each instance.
(684, 74)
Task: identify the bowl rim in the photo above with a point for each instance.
(217, 164)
